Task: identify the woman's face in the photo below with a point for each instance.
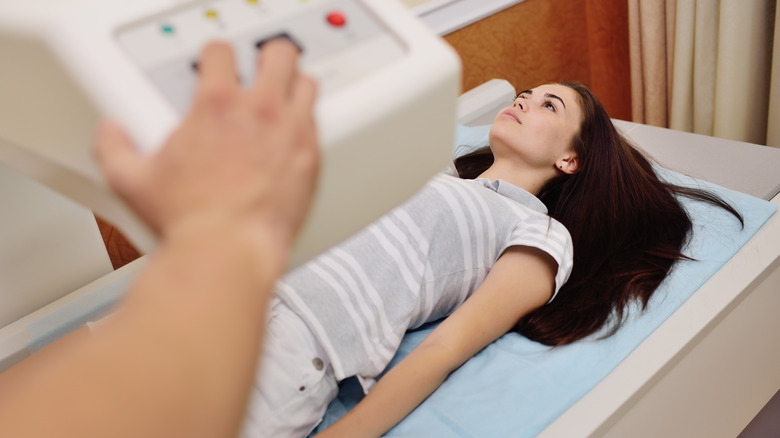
(539, 127)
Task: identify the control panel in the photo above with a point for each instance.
(385, 110)
(340, 41)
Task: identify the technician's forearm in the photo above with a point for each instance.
(203, 301)
(175, 359)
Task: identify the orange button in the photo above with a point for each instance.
(336, 19)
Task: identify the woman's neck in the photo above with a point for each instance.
(531, 180)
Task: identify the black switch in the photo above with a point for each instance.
(284, 35)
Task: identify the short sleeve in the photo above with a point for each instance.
(542, 232)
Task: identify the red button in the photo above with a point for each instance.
(337, 19)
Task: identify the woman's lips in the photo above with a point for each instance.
(511, 114)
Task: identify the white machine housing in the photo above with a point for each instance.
(385, 113)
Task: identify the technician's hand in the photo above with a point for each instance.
(239, 155)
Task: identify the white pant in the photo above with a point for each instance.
(295, 382)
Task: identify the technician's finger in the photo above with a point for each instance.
(277, 66)
(303, 98)
(217, 72)
(121, 163)
(217, 62)
(304, 92)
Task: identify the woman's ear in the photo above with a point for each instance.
(569, 164)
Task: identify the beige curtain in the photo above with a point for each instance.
(773, 130)
(651, 39)
(722, 69)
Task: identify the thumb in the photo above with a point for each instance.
(118, 158)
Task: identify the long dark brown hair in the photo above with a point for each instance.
(628, 228)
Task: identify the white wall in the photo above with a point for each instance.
(445, 16)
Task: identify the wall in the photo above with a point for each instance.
(539, 41)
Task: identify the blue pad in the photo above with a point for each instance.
(516, 387)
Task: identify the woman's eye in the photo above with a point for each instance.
(549, 105)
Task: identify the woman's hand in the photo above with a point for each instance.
(239, 155)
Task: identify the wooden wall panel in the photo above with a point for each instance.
(541, 41)
(610, 68)
(120, 250)
(531, 43)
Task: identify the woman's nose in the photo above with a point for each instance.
(520, 104)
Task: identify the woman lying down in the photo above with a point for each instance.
(550, 232)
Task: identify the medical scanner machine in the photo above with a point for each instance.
(387, 102)
(385, 83)
(385, 112)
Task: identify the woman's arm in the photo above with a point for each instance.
(522, 279)
(226, 193)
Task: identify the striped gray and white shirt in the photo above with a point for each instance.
(416, 264)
